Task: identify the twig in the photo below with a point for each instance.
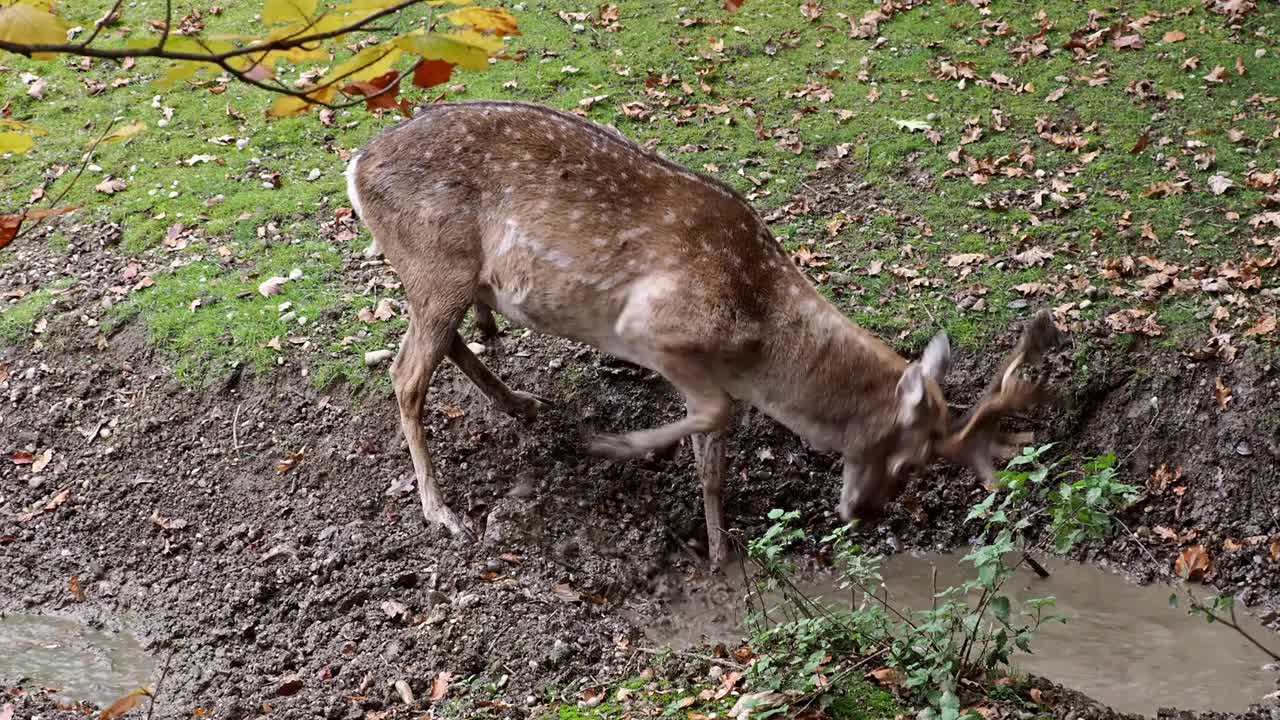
(152, 705)
(693, 656)
(88, 157)
(1035, 565)
(102, 23)
(235, 425)
(1195, 601)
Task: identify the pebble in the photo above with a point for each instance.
(373, 358)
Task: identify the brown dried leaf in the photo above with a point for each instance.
(1265, 326)
(440, 685)
(1221, 394)
(73, 587)
(124, 704)
(111, 186)
(1192, 563)
(888, 677)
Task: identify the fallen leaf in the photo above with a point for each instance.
(1219, 184)
(1036, 696)
(888, 677)
(386, 309)
(394, 609)
(1143, 141)
(965, 259)
(289, 685)
(289, 463)
(440, 685)
(1034, 255)
(271, 286)
(53, 504)
(1192, 563)
(111, 186)
(124, 704)
(1162, 478)
(42, 460)
(73, 587)
(1174, 36)
(913, 125)
(565, 592)
(1265, 326)
(1221, 394)
(1165, 533)
(122, 133)
(1274, 552)
(165, 523)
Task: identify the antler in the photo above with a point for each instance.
(977, 439)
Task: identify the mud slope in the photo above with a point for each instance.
(177, 514)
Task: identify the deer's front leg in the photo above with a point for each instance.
(711, 465)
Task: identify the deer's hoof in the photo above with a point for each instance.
(451, 522)
(527, 405)
(614, 446)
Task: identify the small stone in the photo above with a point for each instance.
(477, 348)
(295, 274)
(314, 175)
(374, 358)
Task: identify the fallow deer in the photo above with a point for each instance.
(567, 227)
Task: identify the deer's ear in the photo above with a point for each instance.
(937, 357)
(910, 394)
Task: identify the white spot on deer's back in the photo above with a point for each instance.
(600, 242)
(562, 260)
(643, 299)
(669, 216)
(576, 214)
(632, 234)
(511, 237)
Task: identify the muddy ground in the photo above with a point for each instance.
(314, 590)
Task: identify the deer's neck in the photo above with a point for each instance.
(827, 379)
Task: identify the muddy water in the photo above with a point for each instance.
(1122, 644)
(83, 664)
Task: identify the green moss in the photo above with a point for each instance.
(18, 318)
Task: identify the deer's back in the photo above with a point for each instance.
(568, 213)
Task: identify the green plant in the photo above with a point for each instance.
(971, 630)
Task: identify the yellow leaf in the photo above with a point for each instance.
(180, 71)
(15, 142)
(28, 25)
(466, 48)
(493, 20)
(127, 131)
(288, 105)
(23, 127)
(369, 63)
(281, 11)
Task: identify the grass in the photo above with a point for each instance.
(736, 95)
(853, 700)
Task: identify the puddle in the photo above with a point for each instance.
(1122, 644)
(83, 664)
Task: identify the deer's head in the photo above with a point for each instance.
(924, 430)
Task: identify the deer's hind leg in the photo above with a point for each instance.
(512, 402)
(485, 322)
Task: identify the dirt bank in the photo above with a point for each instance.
(307, 587)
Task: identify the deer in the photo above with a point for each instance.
(568, 228)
